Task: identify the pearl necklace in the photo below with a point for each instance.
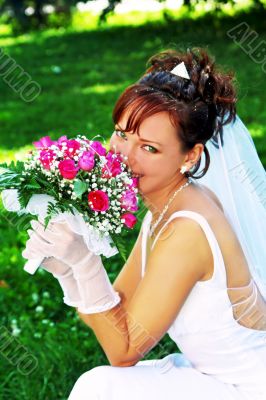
(153, 226)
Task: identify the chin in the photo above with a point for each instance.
(144, 188)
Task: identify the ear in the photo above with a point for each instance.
(194, 154)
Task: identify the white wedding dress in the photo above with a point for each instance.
(223, 350)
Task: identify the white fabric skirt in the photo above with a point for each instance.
(170, 378)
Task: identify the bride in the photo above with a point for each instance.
(197, 269)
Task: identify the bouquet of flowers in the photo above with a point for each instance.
(75, 181)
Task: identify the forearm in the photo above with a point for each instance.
(100, 305)
(111, 330)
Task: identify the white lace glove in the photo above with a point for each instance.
(58, 240)
(64, 274)
(61, 271)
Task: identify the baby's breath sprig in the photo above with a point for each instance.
(81, 176)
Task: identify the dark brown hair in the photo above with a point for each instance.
(193, 104)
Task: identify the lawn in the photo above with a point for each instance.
(81, 72)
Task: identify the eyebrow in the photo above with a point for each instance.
(142, 139)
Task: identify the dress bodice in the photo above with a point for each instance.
(218, 336)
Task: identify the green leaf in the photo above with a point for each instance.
(33, 184)
(120, 243)
(46, 220)
(10, 174)
(23, 198)
(52, 210)
(80, 188)
(4, 169)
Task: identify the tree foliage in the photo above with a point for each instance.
(33, 14)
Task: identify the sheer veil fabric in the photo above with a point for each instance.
(236, 175)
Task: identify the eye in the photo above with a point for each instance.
(122, 135)
(118, 133)
(151, 147)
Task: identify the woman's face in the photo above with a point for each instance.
(155, 153)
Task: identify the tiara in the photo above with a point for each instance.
(180, 70)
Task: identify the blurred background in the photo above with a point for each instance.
(63, 64)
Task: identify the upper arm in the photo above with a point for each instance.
(173, 268)
(130, 275)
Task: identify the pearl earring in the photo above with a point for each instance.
(183, 169)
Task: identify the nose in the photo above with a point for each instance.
(126, 153)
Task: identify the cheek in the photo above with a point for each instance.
(114, 143)
(158, 166)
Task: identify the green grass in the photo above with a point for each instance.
(96, 65)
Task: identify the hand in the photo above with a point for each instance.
(94, 287)
(61, 271)
(64, 274)
(58, 241)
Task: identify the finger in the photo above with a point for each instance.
(46, 233)
(60, 228)
(35, 223)
(51, 264)
(30, 254)
(57, 229)
(37, 247)
(48, 264)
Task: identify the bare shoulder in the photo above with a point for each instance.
(182, 240)
(212, 195)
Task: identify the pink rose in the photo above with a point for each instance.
(112, 167)
(67, 169)
(71, 145)
(86, 161)
(98, 200)
(130, 219)
(44, 142)
(97, 148)
(129, 201)
(61, 140)
(46, 157)
(111, 153)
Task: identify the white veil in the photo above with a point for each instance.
(236, 175)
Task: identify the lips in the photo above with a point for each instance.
(136, 175)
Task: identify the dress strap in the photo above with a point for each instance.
(145, 231)
(216, 251)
